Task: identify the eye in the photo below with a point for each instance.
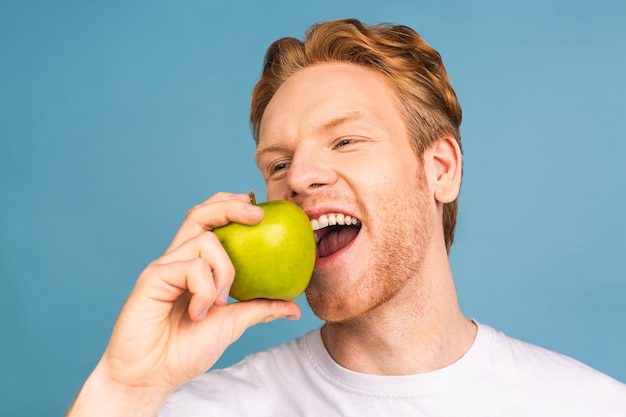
(279, 166)
(344, 142)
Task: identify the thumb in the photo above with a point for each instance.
(249, 313)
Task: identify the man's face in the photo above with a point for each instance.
(333, 141)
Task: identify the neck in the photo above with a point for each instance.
(420, 330)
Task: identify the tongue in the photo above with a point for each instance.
(336, 240)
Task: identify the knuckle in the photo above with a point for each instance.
(148, 273)
(221, 195)
(149, 269)
(201, 266)
(192, 212)
(207, 239)
(229, 270)
(207, 244)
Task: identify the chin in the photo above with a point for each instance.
(333, 306)
(325, 305)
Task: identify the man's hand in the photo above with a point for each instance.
(176, 322)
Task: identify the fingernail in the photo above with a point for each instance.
(291, 317)
(202, 314)
(223, 297)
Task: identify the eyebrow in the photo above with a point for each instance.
(339, 120)
(268, 149)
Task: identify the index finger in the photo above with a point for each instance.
(218, 210)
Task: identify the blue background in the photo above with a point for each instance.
(118, 116)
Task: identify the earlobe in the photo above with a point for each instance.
(448, 166)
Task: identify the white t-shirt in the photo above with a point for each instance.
(499, 376)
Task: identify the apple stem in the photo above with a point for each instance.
(252, 197)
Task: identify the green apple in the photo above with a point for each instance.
(274, 258)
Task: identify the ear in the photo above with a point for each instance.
(448, 166)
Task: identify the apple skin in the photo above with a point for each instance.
(273, 259)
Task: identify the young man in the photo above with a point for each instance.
(357, 121)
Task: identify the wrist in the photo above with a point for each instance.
(103, 396)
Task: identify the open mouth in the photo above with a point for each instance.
(334, 232)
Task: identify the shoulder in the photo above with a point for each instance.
(519, 354)
(538, 370)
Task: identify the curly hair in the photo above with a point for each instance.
(429, 104)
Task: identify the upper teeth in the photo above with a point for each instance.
(333, 219)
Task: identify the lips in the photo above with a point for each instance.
(334, 231)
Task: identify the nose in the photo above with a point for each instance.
(310, 172)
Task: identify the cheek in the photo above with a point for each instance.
(403, 191)
(381, 173)
(395, 178)
(275, 191)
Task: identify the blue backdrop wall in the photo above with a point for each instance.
(117, 116)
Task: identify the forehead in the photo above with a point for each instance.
(318, 95)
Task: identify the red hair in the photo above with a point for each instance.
(415, 70)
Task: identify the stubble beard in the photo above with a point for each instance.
(398, 245)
